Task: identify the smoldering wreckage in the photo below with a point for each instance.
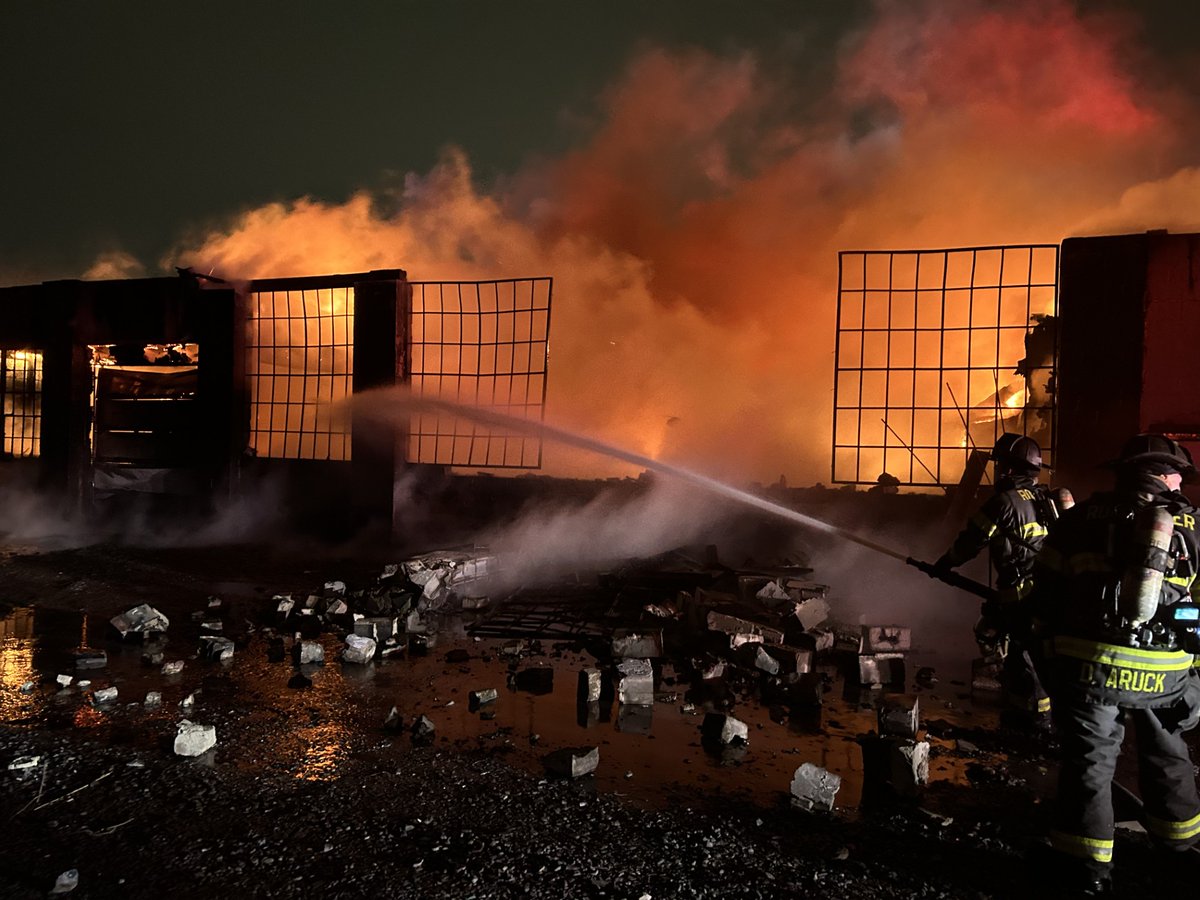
(273, 722)
(409, 732)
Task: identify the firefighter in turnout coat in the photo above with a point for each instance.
(1011, 524)
(1116, 580)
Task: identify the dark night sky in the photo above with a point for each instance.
(129, 122)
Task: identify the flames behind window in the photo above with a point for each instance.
(939, 352)
(482, 344)
(300, 356)
(22, 387)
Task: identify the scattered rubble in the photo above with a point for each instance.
(309, 653)
(814, 788)
(216, 648)
(359, 650)
(724, 729)
(635, 682)
(192, 739)
(24, 762)
(422, 729)
(174, 667)
(140, 620)
(482, 698)
(104, 695)
(573, 762)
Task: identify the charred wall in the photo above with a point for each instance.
(1129, 311)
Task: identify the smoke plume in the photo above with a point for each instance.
(693, 235)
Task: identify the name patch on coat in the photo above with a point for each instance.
(1119, 679)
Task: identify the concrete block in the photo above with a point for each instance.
(810, 612)
(359, 650)
(142, 619)
(732, 625)
(587, 713)
(377, 628)
(573, 762)
(215, 647)
(635, 682)
(881, 668)
(482, 698)
(756, 655)
(724, 729)
(899, 716)
(893, 767)
(422, 729)
(885, 639)
(814, 788)
(104, 695)
(310, 652)
(90, 658)
(590, 685)
(192, 739)
(792, 660)
(644, 644)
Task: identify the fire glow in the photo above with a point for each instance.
(693, 238)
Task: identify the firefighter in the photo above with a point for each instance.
(1114, 602)
(1012, 524)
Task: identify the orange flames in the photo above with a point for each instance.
(693, 238)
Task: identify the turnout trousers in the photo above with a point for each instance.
(1091, 736)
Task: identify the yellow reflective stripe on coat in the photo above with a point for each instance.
(1174, 831)
(1091, 848)
(986, 525)
(1033, 530)
(1043, 704)
(1125, 657)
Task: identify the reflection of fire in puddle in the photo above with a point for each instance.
(16, 663)
(325, 752)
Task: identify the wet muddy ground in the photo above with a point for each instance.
(308, 793)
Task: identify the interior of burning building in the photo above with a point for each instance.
(1077, 345)
(177, 392)
(197, 388)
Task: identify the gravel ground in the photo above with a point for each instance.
(459, 819)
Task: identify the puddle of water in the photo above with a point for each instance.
(651, 755)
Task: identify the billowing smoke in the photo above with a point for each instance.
(693, 236)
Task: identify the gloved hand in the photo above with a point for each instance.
(943, 565)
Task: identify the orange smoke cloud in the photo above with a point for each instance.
(693, 239)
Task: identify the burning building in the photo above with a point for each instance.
(1078, 345)
(195, 386)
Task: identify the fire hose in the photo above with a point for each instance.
(954, 579)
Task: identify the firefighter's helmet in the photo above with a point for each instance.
(1016, 451)
(1156, 452)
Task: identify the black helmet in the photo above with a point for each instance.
(1157, 453)
(1016, 451)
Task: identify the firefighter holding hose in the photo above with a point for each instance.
(1011, 524)
(1115, 602)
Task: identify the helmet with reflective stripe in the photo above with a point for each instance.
(1155, 453)
(1016, 451)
